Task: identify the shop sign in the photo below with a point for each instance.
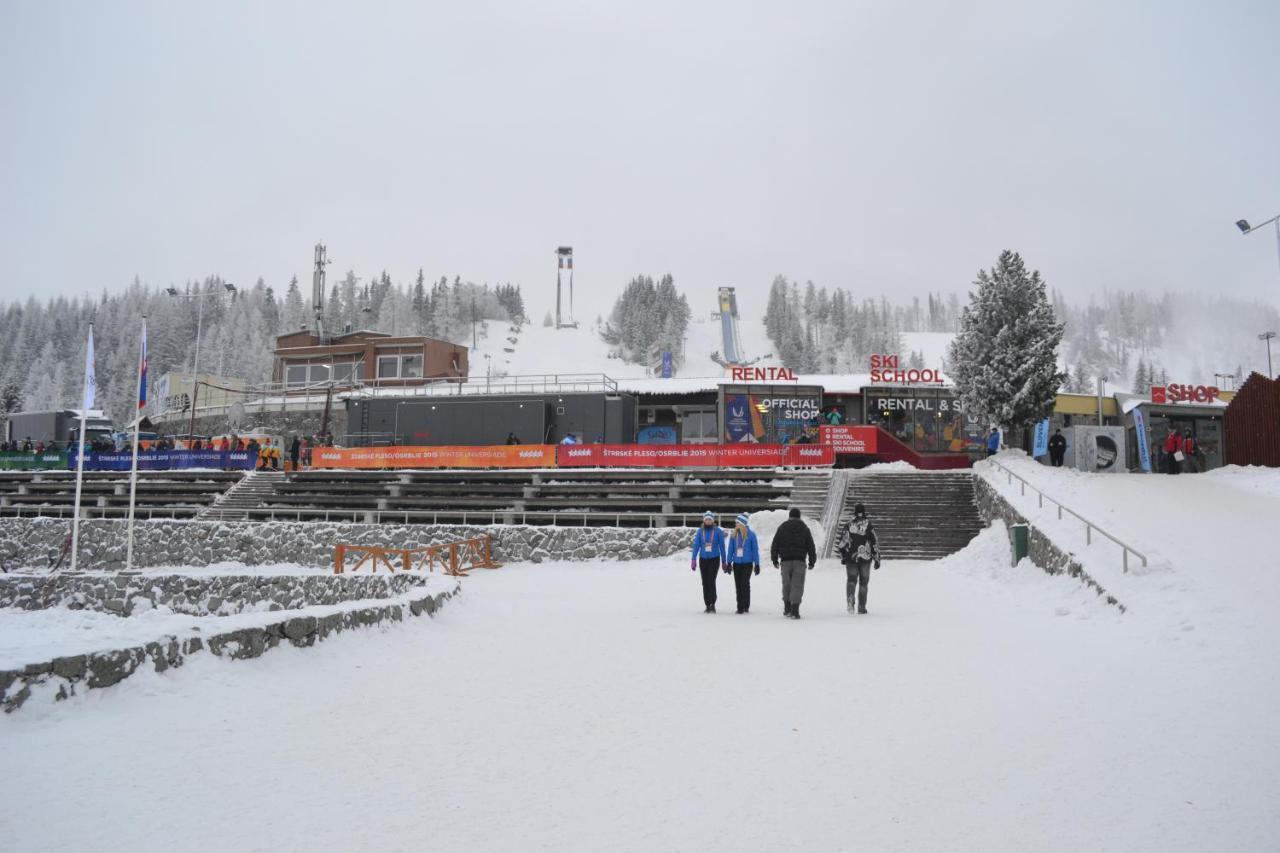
(849, 438)
(1184, 393)
(888, 370)
(922, 404)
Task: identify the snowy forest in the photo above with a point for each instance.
(42, 343)
(1132, 338)
(648, 319)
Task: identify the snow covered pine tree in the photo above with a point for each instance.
(1005, 359)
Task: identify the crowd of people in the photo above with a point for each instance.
(792, 552)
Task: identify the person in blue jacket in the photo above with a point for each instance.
(744, 558)
(993, 442)
(708, 554)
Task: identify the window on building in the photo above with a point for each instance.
(344, 371)
(388, 367)
(699, 427)
(295, 375)
(411, 367)
(319, 373)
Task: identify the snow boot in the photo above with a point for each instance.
(851, 607)
(711, 609)
(786, 608)
(795, 611)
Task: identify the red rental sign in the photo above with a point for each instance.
(1184, 393)
(692, 455)
(762, 374)
(849, 438)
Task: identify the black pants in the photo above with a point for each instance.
(1055, 458)
(742, 584)
(709, 568)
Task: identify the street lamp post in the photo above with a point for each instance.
(195, 366)
(1246, 228)
(1267, 336)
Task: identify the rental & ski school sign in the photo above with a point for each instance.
(888, 370)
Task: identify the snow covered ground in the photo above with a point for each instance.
(1212, 540)
(595, 707)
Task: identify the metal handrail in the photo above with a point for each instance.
(1089, 526)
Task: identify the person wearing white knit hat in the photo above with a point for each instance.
(708, 554)
(744, 558)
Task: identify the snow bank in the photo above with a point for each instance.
(767, 522)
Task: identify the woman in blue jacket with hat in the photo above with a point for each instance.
(743, 551)
(708, 554)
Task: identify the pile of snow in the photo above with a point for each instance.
(767, 522)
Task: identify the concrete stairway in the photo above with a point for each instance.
(922, 515)
(253, 487)
(809, 492)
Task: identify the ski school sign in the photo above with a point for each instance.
(887, 370)
(744, 455)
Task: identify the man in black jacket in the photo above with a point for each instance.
(792, 544)
(1057, 448)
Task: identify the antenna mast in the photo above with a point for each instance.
(317, 293)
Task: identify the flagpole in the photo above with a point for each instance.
(137, 420)
(86, 401)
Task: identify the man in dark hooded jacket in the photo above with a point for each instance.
(792, 545)
(859, 547)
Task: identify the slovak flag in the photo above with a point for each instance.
(142, 369)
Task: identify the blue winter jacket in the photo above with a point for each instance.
(700, 540)
(750, 548)
(993, 442)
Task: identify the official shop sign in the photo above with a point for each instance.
(1184, 393)
(888, 370)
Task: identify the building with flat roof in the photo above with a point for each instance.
(365, 358)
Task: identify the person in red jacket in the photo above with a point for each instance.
(1191, 451)
(1172, 445)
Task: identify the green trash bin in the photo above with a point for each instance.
(1020, 538)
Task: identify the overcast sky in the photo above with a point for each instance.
(889, 148)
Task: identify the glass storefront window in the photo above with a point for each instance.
(929, 420)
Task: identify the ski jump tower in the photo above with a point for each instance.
(729, 326)
(564, 274)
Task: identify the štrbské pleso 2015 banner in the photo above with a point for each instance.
(849, 438)
(692, 455)
(445, 456)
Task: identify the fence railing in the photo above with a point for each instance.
(1089, 527)
(453, 558)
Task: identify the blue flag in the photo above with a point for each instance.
(142, 368)
(1041, 445)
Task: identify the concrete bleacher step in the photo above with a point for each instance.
(252, 490)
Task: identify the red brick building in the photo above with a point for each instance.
(366, 358)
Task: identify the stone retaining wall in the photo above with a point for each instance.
(62, 676)
(194, 595)
(1041, 549)
(36, 542)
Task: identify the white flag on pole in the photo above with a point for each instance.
(90, 382)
